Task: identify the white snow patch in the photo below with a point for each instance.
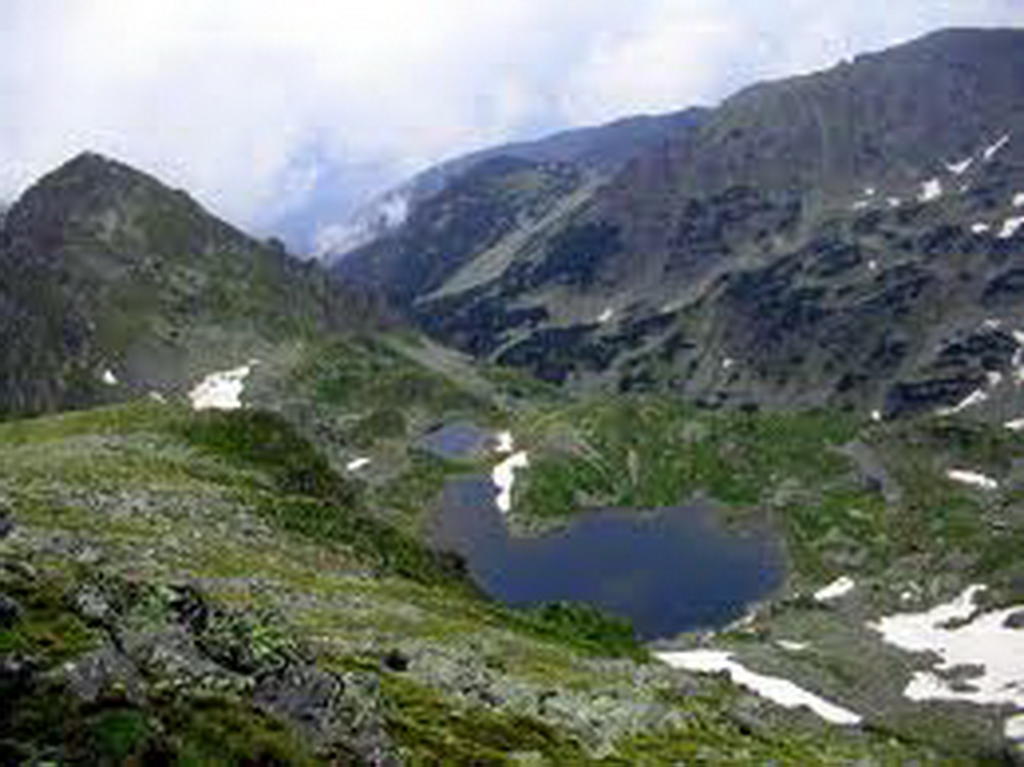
(505, 442)
(394, 210)
(1013, 728)
(959, 168)
(990, 152)
(876, 416)
(994, 378)
(860, 205)
(157, 397)
(1010, 227)
(1018, 200)
(840, 587)
(356, 463)
(976, 397)
(221, 390)
(1018, 357)
(968, 477)
(777, 689)
(503, 475)
(992, 324)
(727, 363)
(930, 190)
(980, 227)
(873, 265)
(788, 644)
(983, 640)
(606, 315)
(1015, 425)
(894, 202)
(869, 191)
(109, 378)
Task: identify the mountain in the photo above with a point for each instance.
(851, 237)
(595, 152)
(254, 576)
(117, 285)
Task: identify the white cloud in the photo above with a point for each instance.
(244, 102)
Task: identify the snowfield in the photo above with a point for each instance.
(959, 168)
(504, 478)
(840, 587)
(991, 151)
(967, 477)
(777, 689)
(930, 190)
(962, 637)
(1010, 227)
(221, 390)
(505, 442)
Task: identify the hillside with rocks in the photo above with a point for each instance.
(116, 285)
(847, 238)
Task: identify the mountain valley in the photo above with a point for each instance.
(227, 475)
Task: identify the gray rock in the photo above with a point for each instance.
(305, 695)
(10, 611)
(172, 656)
(93, 605)
(396, 660)
(103, 672)
(16, 671)
(1015, 620)
(332, 710)
(6, 524)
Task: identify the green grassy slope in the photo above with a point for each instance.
(204, 588)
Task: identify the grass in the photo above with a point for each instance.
(431, 730)
(368, 375)
(654, 452)
(644, 452)
(270, 512)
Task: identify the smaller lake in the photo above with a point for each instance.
(459, 440)
(668, 570)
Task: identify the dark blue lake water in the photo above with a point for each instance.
(668, 570)
(457, 440)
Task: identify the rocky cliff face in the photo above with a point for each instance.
(849, 237)
(114, 283)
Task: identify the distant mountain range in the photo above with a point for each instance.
(853, 237)
(597, 151)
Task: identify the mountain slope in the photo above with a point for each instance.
(111, 275)
(274, 623)
(593, 153)
(849, 237)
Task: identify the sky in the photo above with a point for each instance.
(268, 110)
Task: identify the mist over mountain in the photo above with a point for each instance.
(597, 151)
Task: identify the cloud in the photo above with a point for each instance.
(255, 105)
